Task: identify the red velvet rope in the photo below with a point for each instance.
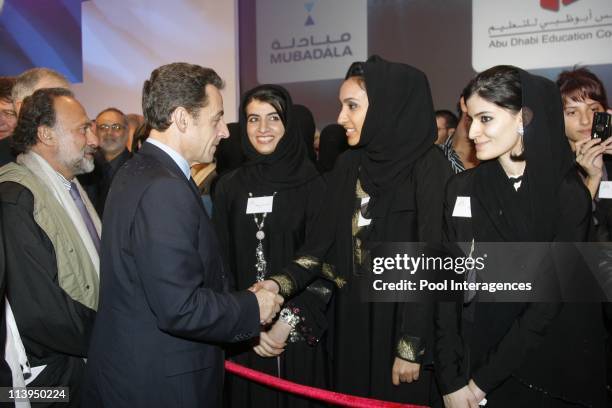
(312, 392)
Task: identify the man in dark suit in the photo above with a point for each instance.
(112, 131)
(164, 308)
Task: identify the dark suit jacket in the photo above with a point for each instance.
(98, 182)
(6, 156)
(163, 308)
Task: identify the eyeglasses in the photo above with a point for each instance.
(8, 114)
(115, 127)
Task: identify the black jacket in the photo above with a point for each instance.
(54, 328)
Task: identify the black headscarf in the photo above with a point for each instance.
(531, 214)
(307, 126)
(229, 154)
(332, 143)
(288, 166)
(399, 128)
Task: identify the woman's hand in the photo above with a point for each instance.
(589, 155)
(462, 398)
(272, 343)
(478, 393)
(404, 371)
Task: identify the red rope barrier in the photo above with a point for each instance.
(331, 397)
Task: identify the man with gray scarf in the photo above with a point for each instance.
(52, 238)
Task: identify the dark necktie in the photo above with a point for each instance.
(74, 193)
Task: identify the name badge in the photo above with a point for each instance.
(605, 189)
(463, 207)
(258, 205)
(362, 221)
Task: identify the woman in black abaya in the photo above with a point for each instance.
(380, 350)
(263, 213)
(525, 190)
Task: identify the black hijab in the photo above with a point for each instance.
(229, 154)
(288, 166)
(307, 126)
(399, 128)
(531, 213)
(332, 143)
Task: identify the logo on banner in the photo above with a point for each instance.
(308, 7)
(554, 5)
(525, 33)
(291, 49)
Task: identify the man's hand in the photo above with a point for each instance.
(272, 343)
(462, 398)
(404, 371)
(268, 285)
(269, 304)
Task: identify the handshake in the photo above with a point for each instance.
(268, 299)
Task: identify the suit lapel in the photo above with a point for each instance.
(149, 149)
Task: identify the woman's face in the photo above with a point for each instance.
(264, 126)
(493, 130)
(354, 100)
(579, 118)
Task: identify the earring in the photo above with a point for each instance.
(520, 130)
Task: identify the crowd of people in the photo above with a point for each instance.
(137, 253)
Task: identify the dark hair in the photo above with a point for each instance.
(357, 71)
(140, 135)
(449, 117)
(500, 85)
(37, 110)
(272, 96)
(580, 84)
(174, 85)
(117, 111)
(6, 87)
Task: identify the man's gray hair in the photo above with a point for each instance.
(25, 83)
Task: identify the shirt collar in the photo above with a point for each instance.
(174, 155)
(63, 180)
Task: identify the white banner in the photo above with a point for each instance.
(535, 34)
(312, 40)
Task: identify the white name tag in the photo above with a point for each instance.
(362, 222)
(605, 189)
(258, 205)
(462, 207)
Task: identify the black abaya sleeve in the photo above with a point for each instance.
(331, 227)
(415, 320)
(311, 304)
(450, 359)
